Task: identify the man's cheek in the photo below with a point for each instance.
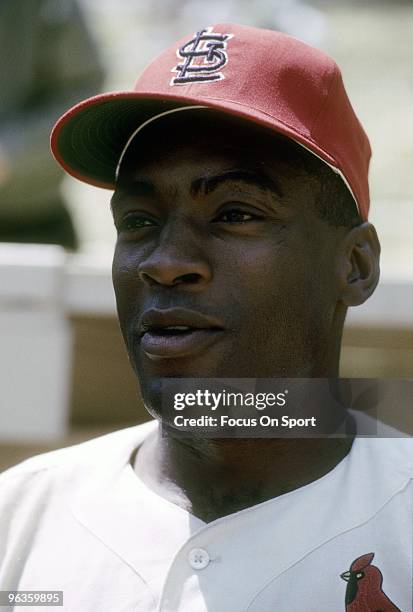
(127, 296)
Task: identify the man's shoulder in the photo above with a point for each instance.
(105, 449)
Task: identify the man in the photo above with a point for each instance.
(241, 203)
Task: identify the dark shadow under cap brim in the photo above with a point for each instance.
(88, 140)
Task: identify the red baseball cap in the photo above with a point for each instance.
(263, 76)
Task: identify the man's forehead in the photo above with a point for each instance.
(203, 135)
(252, 162)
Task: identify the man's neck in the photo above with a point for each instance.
(211, 478)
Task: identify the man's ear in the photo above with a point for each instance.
(359, 269)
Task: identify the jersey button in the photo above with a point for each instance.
(198, 558)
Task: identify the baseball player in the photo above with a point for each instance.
(239, 171)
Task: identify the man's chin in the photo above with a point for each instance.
(206, 365)
(156, 392)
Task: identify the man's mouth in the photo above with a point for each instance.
(176, 332)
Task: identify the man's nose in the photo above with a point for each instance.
(178, 259)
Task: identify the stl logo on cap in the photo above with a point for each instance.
(211, 47)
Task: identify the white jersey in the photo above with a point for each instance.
(79, 520)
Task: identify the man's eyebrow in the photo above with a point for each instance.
(135, 188)
(206, 184)
(251, 177)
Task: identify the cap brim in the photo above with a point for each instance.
(88, 140)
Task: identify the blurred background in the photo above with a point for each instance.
(64, 374)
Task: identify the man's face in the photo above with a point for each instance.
(219, 232)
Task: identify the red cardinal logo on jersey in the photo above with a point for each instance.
(364, 591)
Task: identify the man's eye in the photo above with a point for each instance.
(236, 215)
(134, 222)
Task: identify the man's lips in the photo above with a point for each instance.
(176, 332)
